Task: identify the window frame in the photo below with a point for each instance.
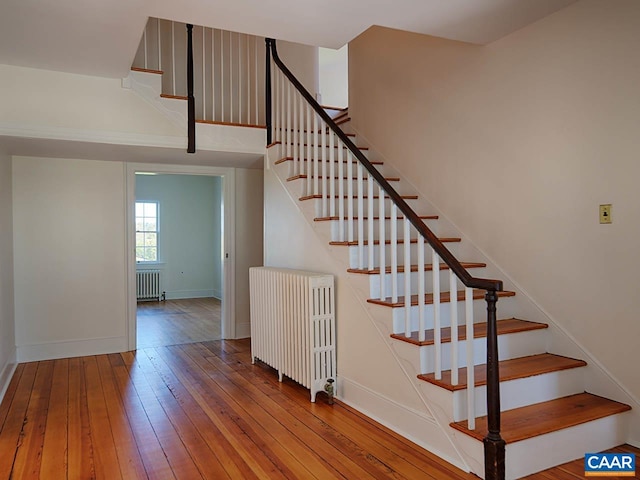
(156, 231)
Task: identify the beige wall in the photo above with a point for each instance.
(7, 331)
(302, 60)
(518, 142)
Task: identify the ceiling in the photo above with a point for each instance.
(100, 37)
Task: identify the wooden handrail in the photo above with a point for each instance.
(444, 253)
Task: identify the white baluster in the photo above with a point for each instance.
(231, 96)
(173, 56)
(309, 139)
(289, 140)
(213, 75)
(471, 389)
(159, 46)
(370, 216)
(453, 309)
(394, 252)
(360, 216)
(437, 341)
(382, 239)
(204, 71)
(256, 81)
(407, 281)
(297, 163)
(350, 199)
(248, 76)
(340, 193)
(421, 289)
(316, 139)
(144, 39)
(332, 166)
(222, 92)
(301, 139)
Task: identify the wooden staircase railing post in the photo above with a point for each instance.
(191, 102)
(494, 445)
(267, 88)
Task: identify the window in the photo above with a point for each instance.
(146, 231)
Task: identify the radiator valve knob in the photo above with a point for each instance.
(328, 387)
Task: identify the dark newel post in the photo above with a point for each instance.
(267, 88)
(494, 445)
(191, 101)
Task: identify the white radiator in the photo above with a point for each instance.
(148, 285)
(293, 325)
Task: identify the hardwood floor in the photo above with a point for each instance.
(190, 411)
(176, 322)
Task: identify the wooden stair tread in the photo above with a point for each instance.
(231, 124)
(320, 146)
(147, 70)
(344, 119)
(174, 97)
(388, 242)
(513, 369)
(414, 268)
(422, 217)
(546, 417)
(319, 195)
(428, 298)
(504, 326)
(304, 175)
(290, 159)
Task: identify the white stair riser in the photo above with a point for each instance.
(281, 137)
(506, 307)
(374, 282)
(522, 392)
(509, 346)
(413, 252)
(413, 203)
(335, 229)
(545, 451)
(325, 185)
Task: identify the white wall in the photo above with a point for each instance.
(334, 76)
(69, 247)
(249, 241)
(7, 330)
(190, 232)
(518, 143)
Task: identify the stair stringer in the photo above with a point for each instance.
(378, 396)
(598, 379)
(222, 138)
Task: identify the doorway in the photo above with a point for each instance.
(191, 250)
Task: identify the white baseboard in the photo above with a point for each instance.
(411, 424)
(243, 330)
(73, 348)
(217, 294)
(7, 373)
(182, 294)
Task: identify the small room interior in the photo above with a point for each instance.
(179, 286)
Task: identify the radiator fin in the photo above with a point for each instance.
(148, 285)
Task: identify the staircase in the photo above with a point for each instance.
(547, 417)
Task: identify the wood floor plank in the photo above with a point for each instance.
(197, 410)
(310, 430)
(205, 459)
(54, 452)
(153, 456)
(235, 429)
(9, 394)
(29, 456)
(181, 462)
(105, 456)
(79, 441)
(277, 410)
(129, 458)
(264, 438)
